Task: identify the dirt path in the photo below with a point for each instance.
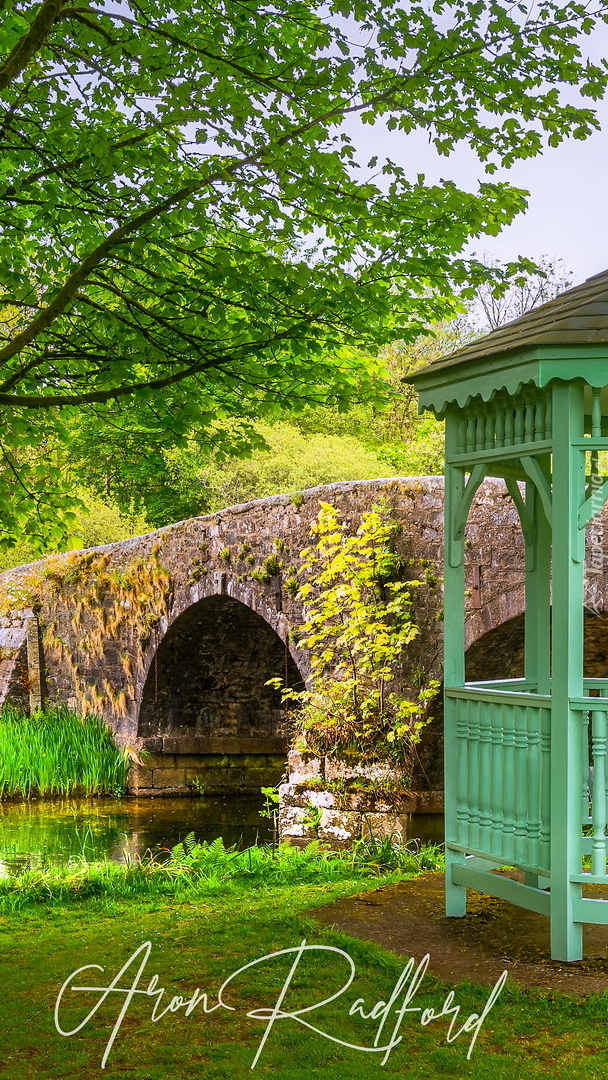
(493, 937)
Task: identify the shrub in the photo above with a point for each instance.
(359, 622)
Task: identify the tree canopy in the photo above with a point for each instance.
(189, 233)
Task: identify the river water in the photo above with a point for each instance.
(47, 832)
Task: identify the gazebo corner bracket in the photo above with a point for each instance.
(476, 478)
(526, 519)
(593, 505)
(535, 473)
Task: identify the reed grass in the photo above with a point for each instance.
(57, 752)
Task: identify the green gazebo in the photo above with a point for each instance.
(525, 759)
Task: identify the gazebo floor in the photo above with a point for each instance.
(494, 936)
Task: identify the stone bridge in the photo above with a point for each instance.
(173, 636)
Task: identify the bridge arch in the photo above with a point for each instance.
(207, 717)
(209, 672)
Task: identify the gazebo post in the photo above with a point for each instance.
(567, 676)
(454, 669)
(537, 655)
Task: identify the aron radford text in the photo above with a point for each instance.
(385, 1018)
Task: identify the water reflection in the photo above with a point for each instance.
(45, 833)
(36, 834)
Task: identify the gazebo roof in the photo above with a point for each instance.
(566, 338)
(578, 316)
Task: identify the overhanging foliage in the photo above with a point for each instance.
(186, 235)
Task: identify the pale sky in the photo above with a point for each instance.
(568, 205)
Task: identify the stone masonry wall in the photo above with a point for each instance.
(338, 803)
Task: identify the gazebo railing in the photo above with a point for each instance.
(502, 785)
(502, 775)
(593, 716)
(516, 685)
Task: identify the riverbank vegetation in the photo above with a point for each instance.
(194, 870)
(56, 752)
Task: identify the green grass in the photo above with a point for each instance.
(199, 940)
(56, 752)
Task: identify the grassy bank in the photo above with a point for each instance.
(198, 940)
(56, 752)
(195, 871)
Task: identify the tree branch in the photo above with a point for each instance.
(118, 236)
(48, 401)
(74, 163)
(30, 43)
